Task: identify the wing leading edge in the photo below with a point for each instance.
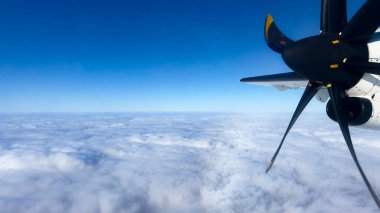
(283, 81)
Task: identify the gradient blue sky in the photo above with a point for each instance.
(141, 55)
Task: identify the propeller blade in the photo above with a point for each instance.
(337, 95)
(310, 91)
(333, 16)
(362, 66)
(364, 23)
(275, 39)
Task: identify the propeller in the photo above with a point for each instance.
(275, 39)
(337, 95)
(364, 23)
(333, 16)
(310, 91)
(362, 66)
(335, 59)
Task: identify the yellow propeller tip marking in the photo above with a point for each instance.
(334, 66)
(268, 22)
(335, 42)
(344, 60)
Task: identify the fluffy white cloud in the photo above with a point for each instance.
(182, 163)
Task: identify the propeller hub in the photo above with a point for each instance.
(320, 58)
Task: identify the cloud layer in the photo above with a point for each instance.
(182, 163)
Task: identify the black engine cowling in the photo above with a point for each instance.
(358, 110)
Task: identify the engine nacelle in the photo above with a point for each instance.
(358, 110)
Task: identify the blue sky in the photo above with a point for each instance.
(158, 55)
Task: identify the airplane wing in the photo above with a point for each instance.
(283, 81)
